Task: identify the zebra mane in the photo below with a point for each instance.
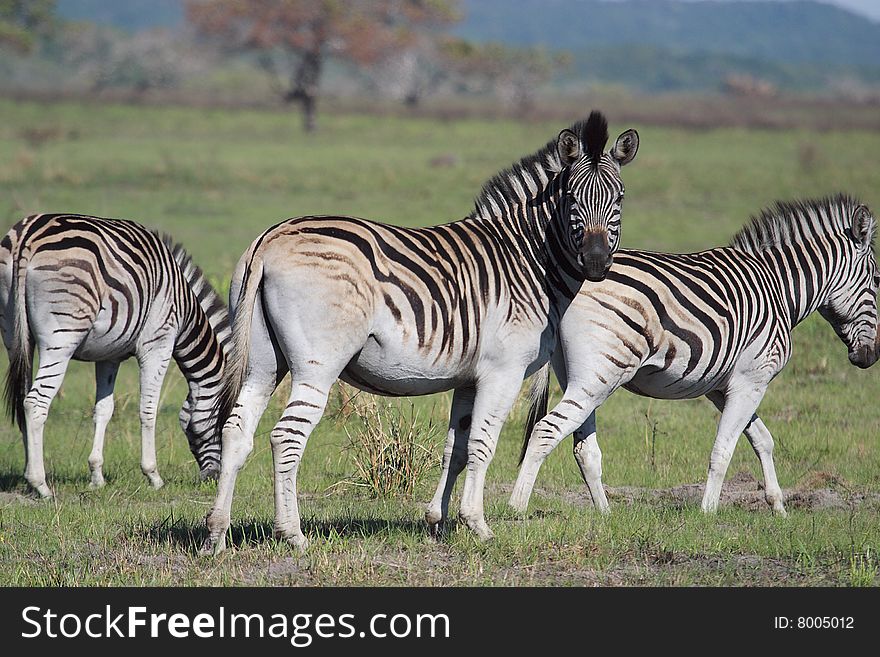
(796, 222)
(594, 135)
(527, 179)
(209, 300)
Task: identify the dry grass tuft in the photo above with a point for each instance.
(391, 447)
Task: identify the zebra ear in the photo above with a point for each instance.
(626, 147)
(569, 147)
(863, 225)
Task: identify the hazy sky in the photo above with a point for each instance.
(870, 8)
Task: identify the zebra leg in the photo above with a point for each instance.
(492, 402)
(739, 407)
(105, 380)
(53, 366)
(762, 443)
(575, 409)
(454, 458)
(589, 460)
(237, 444)
(152, 373)
(289, 437)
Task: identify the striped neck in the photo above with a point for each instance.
(206, 297)
(520, 208)
(203, 342)
(803, 279)
(806, 245)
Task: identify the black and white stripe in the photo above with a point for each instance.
(103, 290)
(471, 305)
(716, 323)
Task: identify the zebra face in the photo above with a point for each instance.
(852, 309)
(594, 198)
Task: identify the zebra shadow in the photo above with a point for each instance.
(189, 535)
(14, 482)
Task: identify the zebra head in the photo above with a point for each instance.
(593, 193)
(851, 306)
(203, 442)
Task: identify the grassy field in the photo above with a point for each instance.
(215, 179)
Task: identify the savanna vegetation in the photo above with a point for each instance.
(216, 178)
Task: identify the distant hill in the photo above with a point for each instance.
(794, 32)
(656, 45)
(663, 45)
(131, 15)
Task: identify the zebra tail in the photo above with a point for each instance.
(237, 359)
(21, 351)
(538, 396)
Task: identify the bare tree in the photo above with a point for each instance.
(415, 68)
(292, 39)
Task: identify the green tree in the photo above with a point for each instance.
(514, 74)
(22, 22)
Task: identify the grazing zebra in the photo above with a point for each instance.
(716, 323)
(102, 290)
(471, 305)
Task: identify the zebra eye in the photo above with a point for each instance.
(876, 280)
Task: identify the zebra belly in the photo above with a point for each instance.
(395, 372)
(109, 339)
(100, 349)
(662, 383)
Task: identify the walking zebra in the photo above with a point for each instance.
(471, 305)
(716, 323)
(102, 290)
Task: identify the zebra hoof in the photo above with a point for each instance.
(298, 541)
(479, 527)
(438, 530)
(518, 505)
(293, 537)
(43, 491)
(437, 525)
(95, 484)
(780, 511)
(213, 546)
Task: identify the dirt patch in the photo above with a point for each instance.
(820, 492)
(668, 569)
(177, 564)
(17, 498)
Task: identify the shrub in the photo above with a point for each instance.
(391, 447)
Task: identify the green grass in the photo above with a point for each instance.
(215, 179)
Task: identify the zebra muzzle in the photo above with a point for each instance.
(864, 356)
(595, 257)
(209, 473)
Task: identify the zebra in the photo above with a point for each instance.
(716, 323)
(103, 290)
(470, 306)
